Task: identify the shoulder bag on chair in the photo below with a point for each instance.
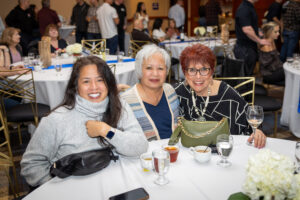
(195, 133)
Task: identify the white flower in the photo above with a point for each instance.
(199, 31)
(270, 174)
(74, 48)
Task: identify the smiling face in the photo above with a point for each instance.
(198, 82)
(91, 85)
(15, 37)
(154, 71)
(53, 33)
(275, 33)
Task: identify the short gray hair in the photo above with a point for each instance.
(147, 51)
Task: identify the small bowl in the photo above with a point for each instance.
(202, 154)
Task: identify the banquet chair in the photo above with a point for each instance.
(136, 45)
(22, 87)
(94, 46)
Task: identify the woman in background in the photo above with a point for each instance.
(11, 38)
(172, 31)
(57, 44)
(157, 32)
(141, 13)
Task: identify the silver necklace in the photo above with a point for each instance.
(201, 117)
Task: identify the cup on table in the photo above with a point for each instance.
(106, 52)
(146, 162)
(289, 60)
(26, 61)
(120, 56)
(173, 151)
(202, 154)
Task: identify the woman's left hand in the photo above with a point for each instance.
(97, 128)
(259, 139)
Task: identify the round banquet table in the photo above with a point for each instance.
(188, 178)
(50, 85)
(290, 116)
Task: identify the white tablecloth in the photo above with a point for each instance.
(189, 179)
(65, 31)
(50, 86)
(290, 116)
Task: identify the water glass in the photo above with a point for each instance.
(224, 147)
(297, 155)
(57, 65)
(120, 56)
(106, 52)
(161, 163)
(26, 61)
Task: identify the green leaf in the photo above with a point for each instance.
(239, 196)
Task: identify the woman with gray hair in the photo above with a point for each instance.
(154, 102)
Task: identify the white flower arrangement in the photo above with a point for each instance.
(74, 48)
(271, 175)
(199, 31)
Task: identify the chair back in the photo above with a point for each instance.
(136, 45)
(244, 85)
(94, 46)
(113, 68)
(233, 67)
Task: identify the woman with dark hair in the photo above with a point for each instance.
(202, 98)
(57, 44)
(90, 116)
(172, 31)
(11, 38)
(141, 14)
(157, 32)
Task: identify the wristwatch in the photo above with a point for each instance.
(111, 133)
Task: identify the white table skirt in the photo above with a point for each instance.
(50, 87)
(290, 116)
(188, 179)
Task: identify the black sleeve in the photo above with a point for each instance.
(244, 18)
(73, 17)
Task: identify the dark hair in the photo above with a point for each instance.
(157, 24)
(195, 54)
(139, 7)
(114, 107)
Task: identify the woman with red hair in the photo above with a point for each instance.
(204, 99)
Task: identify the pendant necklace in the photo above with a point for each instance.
(201, 117)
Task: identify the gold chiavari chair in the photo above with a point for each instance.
(94, 46)
(136, 45)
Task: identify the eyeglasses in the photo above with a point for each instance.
(204, 71)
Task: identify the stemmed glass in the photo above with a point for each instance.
(224, 147)
(297, 155)
(161, 163)
(255, 116)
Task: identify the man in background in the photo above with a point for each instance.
(274, 12)
(21, 18)
(246, 29)
(108, 20)
(47, 16)
(79, 19)
(212, 12)
(177, 13)
(93, 30)
(121, 10)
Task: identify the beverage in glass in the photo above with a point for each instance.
(224, 147)
(161, 162)
(146, 162)
(120, 56)
(173, 151)
(255, 116)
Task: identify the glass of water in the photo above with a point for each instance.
(297, 155)
(161, 163)
(224, 147)
(120, 56)
(57, 65)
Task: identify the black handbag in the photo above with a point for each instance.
(84, 163)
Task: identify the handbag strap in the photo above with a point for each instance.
(202, 134)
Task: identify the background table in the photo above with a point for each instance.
(188, 179)
(50, 85)
(290, 116)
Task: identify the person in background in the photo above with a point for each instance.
(57, 44)
(47, 16)
(11, 38)
(78, 18)
(157, 32)
(203, 98)
(141, 14)
(291, 28)
(172, 31)
(177, 13)
(153, 101)
(201, 12)
(108, 20)
(138, 34)
(121, 10)
(93, 30)
(270, 65)
(21, 18)
(91, 116)
(274, 12)
(212, 12)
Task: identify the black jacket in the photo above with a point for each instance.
(78, 17)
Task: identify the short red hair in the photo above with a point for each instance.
(197, 54)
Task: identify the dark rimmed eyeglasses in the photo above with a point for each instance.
(204, 71)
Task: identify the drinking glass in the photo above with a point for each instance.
(146, 162)
(297, 155)
(173, 151)
(161, 163)
(224, 147)
(120, 56)
(289, 60)
(26, 61)
(255, 116)
(57, 66)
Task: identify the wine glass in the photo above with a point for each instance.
(161, 162)
(255, 116)
(224, 147)
(297, 155)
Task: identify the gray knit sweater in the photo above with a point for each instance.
(63, 132)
